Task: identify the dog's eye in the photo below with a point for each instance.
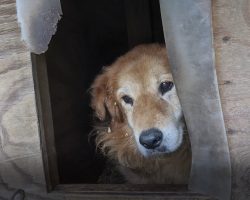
(127, 99)
(165, 87)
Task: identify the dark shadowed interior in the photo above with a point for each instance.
(91, 34)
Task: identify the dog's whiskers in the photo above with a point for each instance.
(122, 136)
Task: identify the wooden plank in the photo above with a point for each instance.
(45, 120)
(231, 22)
(21, 165)
(135, 197)
(20, 154)
(123, 191)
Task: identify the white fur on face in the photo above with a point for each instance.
(172, 137)
(170, 125)
(172, 140)
(172, 129)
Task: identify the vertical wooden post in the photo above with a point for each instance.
(231, 24)
(45, 120)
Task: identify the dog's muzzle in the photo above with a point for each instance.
(151, 138)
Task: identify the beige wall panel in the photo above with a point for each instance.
(21, 164)
(232, 49)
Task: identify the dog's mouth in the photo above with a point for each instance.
(160, 151)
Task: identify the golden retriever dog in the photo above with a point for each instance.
(145, 134)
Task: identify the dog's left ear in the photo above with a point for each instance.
(103, 98)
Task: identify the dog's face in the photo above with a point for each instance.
(140, 89)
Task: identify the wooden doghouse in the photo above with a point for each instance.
(44, 104)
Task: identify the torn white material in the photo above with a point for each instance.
(38, 20)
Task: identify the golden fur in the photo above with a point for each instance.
(137, 69)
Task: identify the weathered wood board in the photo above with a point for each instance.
(20, 154)
(231, 22)
(21, 164)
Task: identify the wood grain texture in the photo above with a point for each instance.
(47, 136)
(124, 191)
(20, 154)
(231, 22)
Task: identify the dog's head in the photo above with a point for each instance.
(138, 93)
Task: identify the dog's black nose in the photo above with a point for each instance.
(151, 138)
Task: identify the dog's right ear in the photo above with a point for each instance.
(103, 100)
(99, 93)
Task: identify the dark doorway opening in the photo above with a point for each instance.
(91, 34)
